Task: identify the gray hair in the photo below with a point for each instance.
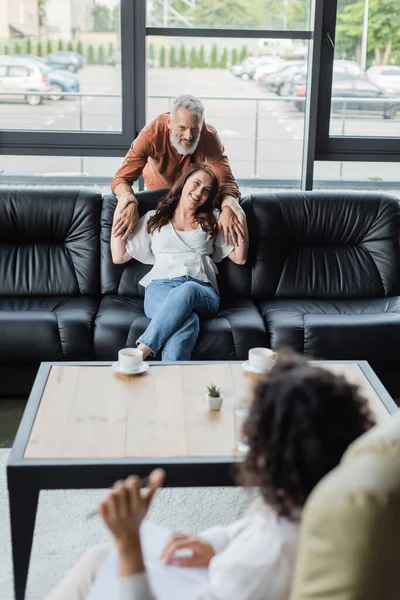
(192, 104)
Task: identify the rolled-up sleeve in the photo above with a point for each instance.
(135, 160)
(218, 160)
(138, 245)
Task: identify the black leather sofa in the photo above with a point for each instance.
(322, 276)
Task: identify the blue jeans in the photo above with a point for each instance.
(174, 307)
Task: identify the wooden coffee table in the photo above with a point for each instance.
(85, 426)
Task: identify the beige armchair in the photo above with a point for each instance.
(350, 534)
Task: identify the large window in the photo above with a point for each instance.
(251, 102)
(235, 14)
(362, 80)
(366, 82)
(286, 83)
(62, 86)
(68, 78)
(247, 60)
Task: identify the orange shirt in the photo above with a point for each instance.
(152, 154)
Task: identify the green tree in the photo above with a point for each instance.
(193, 59)
(223, 61)
(101, 57)
(90, 55)
(172, 56)
(383, 30)
(70, 46)
(162, 57)
(234, 57)
(60, 45)
(39, 49)
(42, 13)
(28, 46)
(101, 18)
(79, 47)
(151, 53)
(214, 57)
(6, 50)
(110, 49)
(221, 13)
(275, 14)
(17, 48)
(201, 62)
(49, 47)
(115, 20)
(182, 56)
(243, 53)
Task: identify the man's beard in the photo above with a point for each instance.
(181, 149)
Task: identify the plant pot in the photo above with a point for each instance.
(214, 403)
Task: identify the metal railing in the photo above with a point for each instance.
(386, 103)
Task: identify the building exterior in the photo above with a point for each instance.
(65, 19)
(19, 18)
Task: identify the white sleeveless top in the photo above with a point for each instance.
(177, 253)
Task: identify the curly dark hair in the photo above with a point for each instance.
(301, 421)
(204, 214)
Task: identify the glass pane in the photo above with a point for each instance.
(254, 105)
(63, 71)
(357, 175)
(366, 77)
(230, 14)
(42, 170)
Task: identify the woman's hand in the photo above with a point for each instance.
(126, 506)
(202, 551)
(125, 219)
(232, 220)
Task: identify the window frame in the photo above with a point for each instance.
(77, 143)
(338, 148)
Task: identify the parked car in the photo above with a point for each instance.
(262, 73)
(22, 78)
(60, 81)
(65, 59)
(248, 66)
(387, 77)
(275, 81)
(361, 93)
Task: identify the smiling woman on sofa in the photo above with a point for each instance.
(301, 421)
(181, 239)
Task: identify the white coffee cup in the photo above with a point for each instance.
(261, 359)
(130, 358)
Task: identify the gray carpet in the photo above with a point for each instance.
(62, 533)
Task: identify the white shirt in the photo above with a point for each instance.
(175, 254)
(255, 559)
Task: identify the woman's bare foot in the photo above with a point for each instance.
(146, 351)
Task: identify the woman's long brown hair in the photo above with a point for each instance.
(204, 214)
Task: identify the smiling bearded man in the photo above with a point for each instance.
(166, 148)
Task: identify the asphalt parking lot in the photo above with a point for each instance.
(262, 134)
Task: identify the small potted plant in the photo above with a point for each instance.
(214, 397)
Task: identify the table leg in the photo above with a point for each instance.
(23, 506)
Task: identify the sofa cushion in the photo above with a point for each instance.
(323, 245)
(49, 242)
(229, 336)
(342, 329)
(46, 328)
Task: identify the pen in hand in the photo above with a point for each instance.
(94, 513)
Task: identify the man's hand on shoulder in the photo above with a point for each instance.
(232, 220)
(127, 216)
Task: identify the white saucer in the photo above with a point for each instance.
(142, 368)
(246, 366)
